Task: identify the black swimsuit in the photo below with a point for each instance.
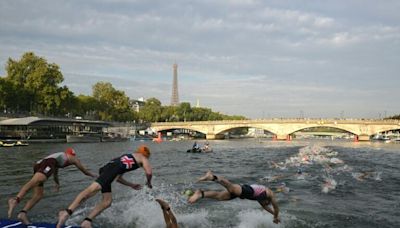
(115, 167)
(249, 193)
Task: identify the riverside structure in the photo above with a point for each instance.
(47, 129)
(283, 129)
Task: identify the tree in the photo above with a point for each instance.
(36, 82)
(184, 111)
(151, 111)
(114, 102)
(6, 94)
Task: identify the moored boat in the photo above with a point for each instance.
(7, 143)
(84, 137)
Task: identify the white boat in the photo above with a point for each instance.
(7, 143)
(84, 137)
(21, 143)
(113, 137)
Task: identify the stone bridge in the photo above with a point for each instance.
(283, 128)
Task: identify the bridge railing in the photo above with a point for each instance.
(283, 120)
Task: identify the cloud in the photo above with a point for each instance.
(236, 56)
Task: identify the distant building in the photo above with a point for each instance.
(35, 128)
(137, 104)
(175, 95)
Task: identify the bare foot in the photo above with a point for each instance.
(12, 203)
(196, 196)
(208, 177)
(23, 218)
(86, 224)
(162, 203)
(62, 217)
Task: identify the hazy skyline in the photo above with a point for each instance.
(254, 58)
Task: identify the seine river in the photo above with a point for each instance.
(363, 192)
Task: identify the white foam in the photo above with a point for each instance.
(255, 219)
(139, 209)
(329, 185)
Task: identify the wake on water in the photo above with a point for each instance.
(139, 208)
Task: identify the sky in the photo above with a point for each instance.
(256, 58)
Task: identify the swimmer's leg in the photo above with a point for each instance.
(218, 195)
(38, 192)
(85, 194)
(104, 204)
(36, 179)
(233, 189)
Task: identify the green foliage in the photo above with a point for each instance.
(396, 117)
(35, 83)
(153, 111)
(114, 103)
(32, 85)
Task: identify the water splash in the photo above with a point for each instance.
(256, 219)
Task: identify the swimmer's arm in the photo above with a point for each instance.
(121, 180)
(267, 208)
(276, 208)
(79, 165)
(148, 171)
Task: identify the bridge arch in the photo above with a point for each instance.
(227, 128)
(166, 128)
(385, 129)
(346, 129)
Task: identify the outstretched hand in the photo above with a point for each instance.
(277, 220)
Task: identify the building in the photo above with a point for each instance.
(137, 104)
(49, 129)
(175, 95)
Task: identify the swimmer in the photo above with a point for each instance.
(276, 165)
(328, 185)
(42, 170)
(114, 169)
(364, 175)
(263, 195)
(282, 188)
(169, 216)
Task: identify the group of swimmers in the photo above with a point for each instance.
(115, 169)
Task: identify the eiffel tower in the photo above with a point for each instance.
(175, 96)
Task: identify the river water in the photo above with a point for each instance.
(352, 199)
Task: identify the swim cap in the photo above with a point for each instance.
(299, 171)
(144, 150)
(70, 151)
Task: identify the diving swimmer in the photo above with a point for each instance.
(114, 169)
(42, 170)
(263, 195)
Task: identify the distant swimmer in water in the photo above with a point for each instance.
(114, 169)
(169, 216)
(367, 175)
(42, 170)
(263, 195)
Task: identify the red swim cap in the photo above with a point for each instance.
(70, 151)
(144, 150)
